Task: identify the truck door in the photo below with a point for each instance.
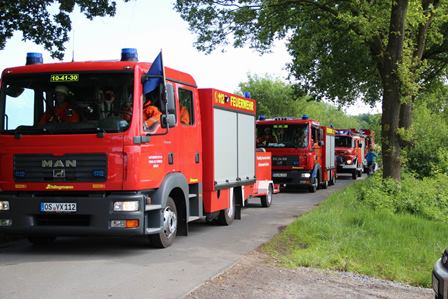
(189, 133)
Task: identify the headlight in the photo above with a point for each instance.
(305, 175)
(126, 206)
(4, 205)
(349, 161)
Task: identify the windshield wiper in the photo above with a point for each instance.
(26, 130)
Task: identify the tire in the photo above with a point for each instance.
(354, 174)
(41, 240)
(314, 185)
(227, 216)
(324, 185)
(359, 173)
(169, 230)
(267, 199)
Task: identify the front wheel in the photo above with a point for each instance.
(266, 200)
(169, 230)
(314, 185)
(354, 174)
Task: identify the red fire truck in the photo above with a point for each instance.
(98, 168)
(303, 151)
(350, 148)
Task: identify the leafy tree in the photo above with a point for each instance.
(342, 50)
(274, 97)
(277, 98)
(34, 20)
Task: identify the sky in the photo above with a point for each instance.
(152, 25)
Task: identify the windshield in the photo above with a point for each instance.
(66, 103)
(343, 141)
(290, 136)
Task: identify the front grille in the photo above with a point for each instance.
(66, 168)
(285, 161)
(62, 220)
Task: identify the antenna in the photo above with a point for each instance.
(73, 46)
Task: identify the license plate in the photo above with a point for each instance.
(58, 207)
(435, 284)
(279, 175)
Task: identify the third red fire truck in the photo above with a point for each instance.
(350, 152)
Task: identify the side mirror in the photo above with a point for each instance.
(321, 143)
(168, 120)
(360, 145)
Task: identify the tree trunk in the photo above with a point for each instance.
(389, 126)
(391, 93)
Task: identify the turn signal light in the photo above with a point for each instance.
(133, 223)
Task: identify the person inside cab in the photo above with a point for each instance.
(62, 112)
(151, 113)
(267, 137)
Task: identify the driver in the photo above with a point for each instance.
(62, 112)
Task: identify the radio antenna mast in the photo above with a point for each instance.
(73, 46)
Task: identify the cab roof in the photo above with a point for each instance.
(171, 74)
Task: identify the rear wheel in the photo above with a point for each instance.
(169, 230)
(267, 199)
(227, 216)
(41, 240)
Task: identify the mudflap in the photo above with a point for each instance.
(239, 201)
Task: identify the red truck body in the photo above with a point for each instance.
(350, 152)
(302, 151)
(113, 176)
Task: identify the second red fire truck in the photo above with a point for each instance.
(303, 151)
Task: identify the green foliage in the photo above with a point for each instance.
(338, 49)
(37, 24)
(352, 233)
(428, 152)
(426, 198)
(277, 98)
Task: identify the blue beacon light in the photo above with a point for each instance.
(34, 58)
(129, 54)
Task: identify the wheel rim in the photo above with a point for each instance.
(269, 196)
(231, 209)
(169, 222)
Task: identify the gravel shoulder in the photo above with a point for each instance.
(257, 275)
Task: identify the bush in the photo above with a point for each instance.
(427, 197)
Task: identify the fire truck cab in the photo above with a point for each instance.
(350, 147)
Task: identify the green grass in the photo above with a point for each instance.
(347, 234)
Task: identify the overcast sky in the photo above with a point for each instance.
(150, 26)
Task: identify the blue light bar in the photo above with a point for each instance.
(305, 117)
(247, 94)
(129, 54)
(34, 58)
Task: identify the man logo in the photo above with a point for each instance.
(58, 163)
(59, 173)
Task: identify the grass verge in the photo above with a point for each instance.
(348, 234)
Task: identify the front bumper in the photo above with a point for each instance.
(346, 168)
(440, 280)
(93, 216)
(291, 177)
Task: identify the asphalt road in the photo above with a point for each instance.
(127, 268)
